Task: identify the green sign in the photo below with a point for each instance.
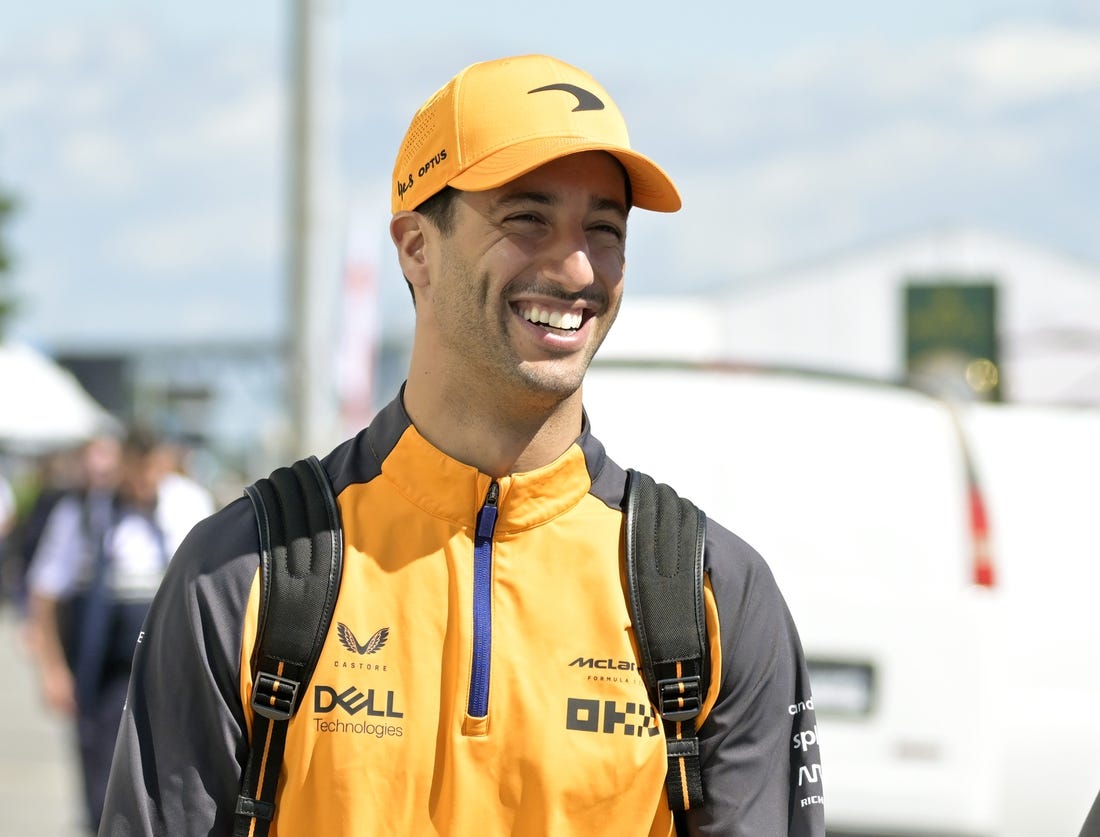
(951, 337)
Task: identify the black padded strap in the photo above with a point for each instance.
(665, 536)
(301, 558)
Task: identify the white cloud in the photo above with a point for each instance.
(246, 128)
(1031, 62)
(838, 145)
(18, 96)
(63, 47)
(98, 160)
(130, 47)
(179, 243)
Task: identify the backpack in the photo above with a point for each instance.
(301, 559)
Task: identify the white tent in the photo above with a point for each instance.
(43, 405)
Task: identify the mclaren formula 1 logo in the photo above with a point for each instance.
(586, 99)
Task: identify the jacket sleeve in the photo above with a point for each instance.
(1091, 827)
(758, 746)
(183, 739)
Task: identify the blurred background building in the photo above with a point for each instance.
(963, 312)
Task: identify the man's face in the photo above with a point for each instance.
(528, 282)
(141, 476)
(102, 460)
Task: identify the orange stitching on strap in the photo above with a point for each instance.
(267, 747)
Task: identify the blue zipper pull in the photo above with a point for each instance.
(487, 519)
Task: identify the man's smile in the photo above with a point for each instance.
(568, 320)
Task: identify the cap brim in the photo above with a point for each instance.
(650, 186)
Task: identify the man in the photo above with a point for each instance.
(101, 556)
(441, 702)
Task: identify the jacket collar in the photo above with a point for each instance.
(447, 488)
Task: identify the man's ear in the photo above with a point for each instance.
(407, 229)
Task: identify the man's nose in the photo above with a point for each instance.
(570, 265)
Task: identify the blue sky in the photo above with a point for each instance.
(146, 142)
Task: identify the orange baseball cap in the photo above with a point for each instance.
(498, 120)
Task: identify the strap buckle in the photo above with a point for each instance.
(255, 809)
(274, 697)
(680, 698)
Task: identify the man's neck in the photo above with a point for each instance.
(494, 435)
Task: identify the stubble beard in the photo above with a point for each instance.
(543, 385)
(496, 368)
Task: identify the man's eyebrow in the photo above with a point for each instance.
(609, 204)
(598, 203)
(515, 198)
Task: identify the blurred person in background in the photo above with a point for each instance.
(188, 499)
(99, 561)
(56, 474)
(7, 507)
(7, 516)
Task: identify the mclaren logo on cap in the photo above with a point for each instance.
(348, 640)
(586, 100)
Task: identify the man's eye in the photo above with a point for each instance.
(609, 229)
(524, 218)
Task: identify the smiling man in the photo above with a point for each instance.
(499, 691)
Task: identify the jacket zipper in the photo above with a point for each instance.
(478, 706)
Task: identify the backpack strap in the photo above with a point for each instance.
(301, 557)
(665, 535)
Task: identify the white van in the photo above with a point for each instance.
(1041, 471)
(865, 502)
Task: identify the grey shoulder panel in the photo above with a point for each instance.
(608, 479)
(359, 459)
(761, 763)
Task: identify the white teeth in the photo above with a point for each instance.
(555, 319)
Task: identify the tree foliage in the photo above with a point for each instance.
(7, 298)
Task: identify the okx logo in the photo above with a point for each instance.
(371, 646)
(605, 716)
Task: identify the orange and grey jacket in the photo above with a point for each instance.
(475, 682)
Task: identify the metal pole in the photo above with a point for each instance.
(312, 253)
